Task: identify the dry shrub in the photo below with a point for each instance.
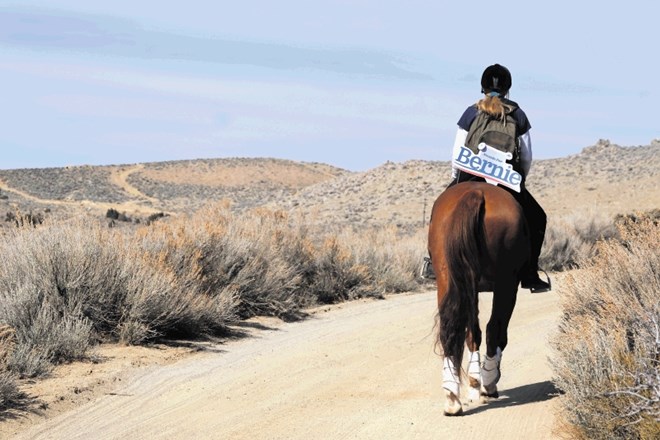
(254, 261)
(608, 347)
(339, 277)
(66, 286)
(393, 261)
(570, 240)
(275, 264)
(10, 395)
(7, 343)
(45, 280)
(266, 257)
(369, 263)
(159, 304)
(163, 288)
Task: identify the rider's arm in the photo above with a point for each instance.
(461, 136)
(525, 142)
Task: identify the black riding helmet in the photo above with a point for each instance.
(496, 78)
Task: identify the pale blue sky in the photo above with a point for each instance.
(349, 83)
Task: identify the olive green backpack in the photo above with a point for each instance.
(497, 133)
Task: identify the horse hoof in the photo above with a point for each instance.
(454, 414)
(494, 395)
(453, 405)
(489, 392)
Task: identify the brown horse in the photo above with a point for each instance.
(478, 241)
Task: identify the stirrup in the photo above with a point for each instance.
(427, 269)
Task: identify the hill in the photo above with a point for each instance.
(170, 187)
(604, 178)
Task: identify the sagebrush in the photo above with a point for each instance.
(571, 240)
(66, 286)
(608, 346)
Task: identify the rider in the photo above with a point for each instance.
(495, 84)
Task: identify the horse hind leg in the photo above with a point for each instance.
(474, 363)
(491, 374)
(451, 382)
(474, 376)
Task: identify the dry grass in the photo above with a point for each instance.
(608, 347)
(7, 335)
(10, 395)
(392, 258)
(572, 240)
(62, 287)
(66, 286)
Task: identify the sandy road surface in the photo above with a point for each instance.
(365, 370)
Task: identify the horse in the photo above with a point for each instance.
(478, 241)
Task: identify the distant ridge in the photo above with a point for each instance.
(173, 186)
(603, 178)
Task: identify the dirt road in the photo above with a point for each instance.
(364, 370)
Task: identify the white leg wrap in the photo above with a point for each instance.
(474, 366)
(490, 372)
(474, 372)
(450, 381)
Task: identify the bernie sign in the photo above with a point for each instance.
(490, 164)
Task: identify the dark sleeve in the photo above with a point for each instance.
(468, 117)
(521, 121)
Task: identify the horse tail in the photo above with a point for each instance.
(458, 310)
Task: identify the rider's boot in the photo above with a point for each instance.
(535, 284)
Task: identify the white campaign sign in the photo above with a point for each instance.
(490, 164)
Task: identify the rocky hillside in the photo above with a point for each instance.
(603, 178)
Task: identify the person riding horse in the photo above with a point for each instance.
(486, 121)
(485, 234)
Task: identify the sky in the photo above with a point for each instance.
(351, 83)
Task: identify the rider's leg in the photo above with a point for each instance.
(536, 220)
